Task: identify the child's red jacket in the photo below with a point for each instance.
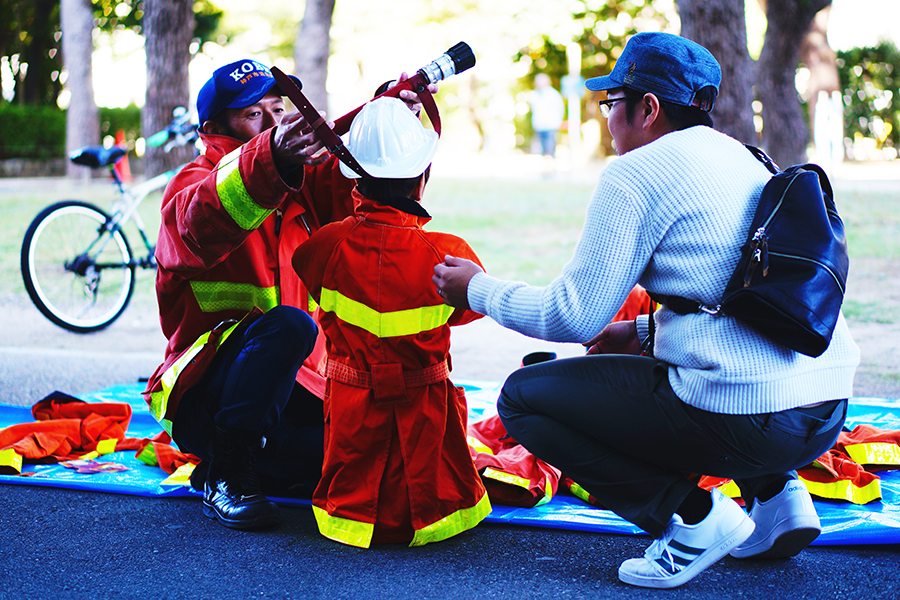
(397, 465)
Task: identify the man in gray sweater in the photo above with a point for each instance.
(715, 398)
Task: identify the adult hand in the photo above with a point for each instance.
(410, 97)
(294, 143)
(451, 278)
(616, 338)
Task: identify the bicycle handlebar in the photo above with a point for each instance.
(180, 132)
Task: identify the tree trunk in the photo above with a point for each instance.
(311, 50)
(785, 129)
(82, 116)
(719, 26)
(37, 88)
(168, 27)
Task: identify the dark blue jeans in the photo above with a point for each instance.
(613, 424)
(250, 386)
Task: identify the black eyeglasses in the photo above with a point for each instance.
(606, 106)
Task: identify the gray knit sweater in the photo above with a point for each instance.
(672, 216)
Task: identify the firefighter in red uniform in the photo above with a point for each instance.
(243, 376)
(397, 466)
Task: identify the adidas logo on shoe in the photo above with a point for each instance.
(785, 524)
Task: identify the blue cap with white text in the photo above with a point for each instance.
(236, 85)
(672, 67)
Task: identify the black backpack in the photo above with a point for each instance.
(789, 283)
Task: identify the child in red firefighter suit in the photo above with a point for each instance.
(397, 466)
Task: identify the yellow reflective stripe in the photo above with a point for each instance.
(234, 195)
(214, 296)
(461, 520)
(507, 478)
(730, 489)
(159, 400)
(476, 445)
(10, 459)
(384, 325)
(181, 476)
(106, 446)
(548, 493)
(313, 305)
(148, 456)
(875, 453)
(580, 492)
(352, 533)
(844, 490)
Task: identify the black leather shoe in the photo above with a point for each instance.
(232, 493)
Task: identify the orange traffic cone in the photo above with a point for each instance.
(122, 167)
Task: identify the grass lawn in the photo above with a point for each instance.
(523, 230)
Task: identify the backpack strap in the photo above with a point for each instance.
(763, 158)
(684, 306)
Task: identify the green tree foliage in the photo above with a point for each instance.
(606, 26)
(870, 80)
(30, 49)
(31, 41)
(37, 132)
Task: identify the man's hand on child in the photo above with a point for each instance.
(451, 278)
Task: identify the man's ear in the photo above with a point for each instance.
(651, 110)
(213, 128)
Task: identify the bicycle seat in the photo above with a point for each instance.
(97, 156)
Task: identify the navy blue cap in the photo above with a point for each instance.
(672, 67)
(236, 85)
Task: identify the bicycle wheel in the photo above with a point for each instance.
(79, 275)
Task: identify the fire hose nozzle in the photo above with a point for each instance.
(455, 60)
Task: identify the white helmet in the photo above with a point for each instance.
(389, 142)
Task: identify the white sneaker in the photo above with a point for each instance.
(684, 551)
(785, 524)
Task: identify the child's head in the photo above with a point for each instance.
(391, 144)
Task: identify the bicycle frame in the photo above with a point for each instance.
(70, 243)
(125, 209)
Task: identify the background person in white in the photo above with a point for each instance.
(719, 399)
(547, 111)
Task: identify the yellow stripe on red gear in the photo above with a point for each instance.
(230, 224)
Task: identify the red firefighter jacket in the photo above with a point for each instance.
(230, 224)
(397, 467)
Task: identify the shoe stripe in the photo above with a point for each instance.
(684, 549)
(667, 566)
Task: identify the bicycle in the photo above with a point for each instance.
(77, 264)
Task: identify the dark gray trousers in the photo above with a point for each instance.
(613, 424)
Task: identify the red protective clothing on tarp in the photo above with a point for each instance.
(229, 227)
(510, 473)
(397, 466)
(68, 428)
(845, 472)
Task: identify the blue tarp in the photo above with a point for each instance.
(842, 522)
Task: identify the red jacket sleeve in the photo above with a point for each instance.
(456, 246)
